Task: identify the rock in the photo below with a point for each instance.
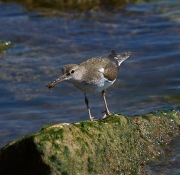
(118, 145)
(70, 5)
(4, 46)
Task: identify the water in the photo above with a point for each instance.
(45, 42)
(169, 164)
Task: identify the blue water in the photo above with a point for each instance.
(44, 42)
(169, 164)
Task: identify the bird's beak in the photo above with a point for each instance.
(62, 78)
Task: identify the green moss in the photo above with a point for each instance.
(90, 165)
(116, 145)
(54, 159)
(66, 151)
(46, 126)
(70, 5)
(61, 133)
(146, 117)
(5, 46)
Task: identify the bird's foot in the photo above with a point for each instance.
(91, 119)
(106, 115)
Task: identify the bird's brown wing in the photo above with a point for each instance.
(110, 67)
(111, 71)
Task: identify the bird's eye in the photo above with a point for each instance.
(72, 71)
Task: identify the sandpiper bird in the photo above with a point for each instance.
(93, 75)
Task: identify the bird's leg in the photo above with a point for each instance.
(87, 104)
(107, 113)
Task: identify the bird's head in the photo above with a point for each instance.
(68, 71)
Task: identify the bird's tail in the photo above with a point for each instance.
(120, 58)
(123, 56)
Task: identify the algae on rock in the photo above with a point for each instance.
(118, 145)
(70, 5)
(4, 46)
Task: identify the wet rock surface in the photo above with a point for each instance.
(118, 145)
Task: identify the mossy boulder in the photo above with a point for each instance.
(118, 145)
(70, 5)
(4, 46)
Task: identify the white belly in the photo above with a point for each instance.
(94, 86)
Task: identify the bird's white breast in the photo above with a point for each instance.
(104, 84)
(92, 83)
(93, 87)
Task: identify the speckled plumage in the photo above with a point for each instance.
(110, 67)
(93, 75)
